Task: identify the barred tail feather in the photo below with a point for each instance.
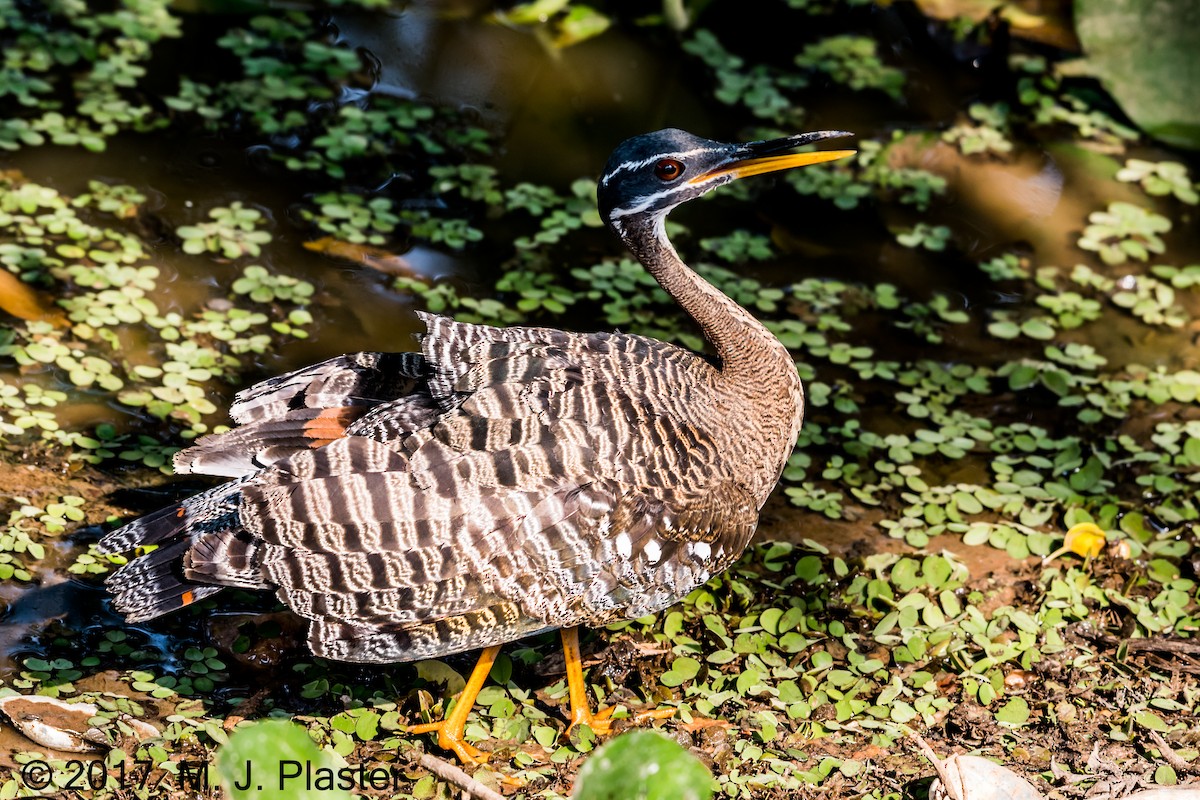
(215, 509)
(153, 585)
(157, 582)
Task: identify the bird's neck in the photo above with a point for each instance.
(756, 369)
(746, 348)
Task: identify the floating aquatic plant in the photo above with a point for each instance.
(986, 134)
(930, 237)
(1124, 231)
(233, 233)
(354, 218)
(1160, 179)
(764, 91)
(853, 61)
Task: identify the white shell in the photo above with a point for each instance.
(58, 725)
(977, 778)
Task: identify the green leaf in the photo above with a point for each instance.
(643, 765)
(1151, 721)
(264, 753)
(1165, 775)
(683, 669)
(439, 672)
(1144, 52)
(1015, 712)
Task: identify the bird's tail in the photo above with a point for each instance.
(154, 582)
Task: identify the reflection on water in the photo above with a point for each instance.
(559, 112)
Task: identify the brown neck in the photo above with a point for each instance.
(748, 351)
(763, 400)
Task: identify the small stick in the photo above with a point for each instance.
(452, 774)
(1169, 755)
(937, 763)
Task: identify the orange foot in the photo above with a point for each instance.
(601, 722)
(450, 738)
(450, 730)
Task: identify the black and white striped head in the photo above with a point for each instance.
(648, 175)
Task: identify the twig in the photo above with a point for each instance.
(937, 763)
(1154, 644)
(452, 774)
(1170, 756)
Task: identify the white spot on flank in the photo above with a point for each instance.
(652, 768)
(624, 546)
(701, 550)
(653, 551)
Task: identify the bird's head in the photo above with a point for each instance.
(648, 175)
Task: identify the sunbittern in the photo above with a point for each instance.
(500, 482)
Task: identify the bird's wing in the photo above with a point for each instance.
(312, 407)
(356, 379)
(464, 549)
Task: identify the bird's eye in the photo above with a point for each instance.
(668, 169)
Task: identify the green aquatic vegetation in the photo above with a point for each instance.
(746, 292)
(557, 23)
(1160, 179)
(95, 310)
(1008, 267)
(238, 328)
(104, 286)
(233, 233)
(353, 217)
(476, 182)
(1150, 300)
(18, 407)
(1054, 100)
(263, 287)
(930, 237)
(853, 61)
(557, 216)
(739, 247)
(22, 538)
(443, 298)
(1179, 277)
(536, 292)
(117, 199)
(915, 187)
(924, 318)
(837, 183)
(455, 233)
(1075, 354)
(1124, 231)
(372, 134)
(985, 135)
(80, 69)
(17, 132)
(1070, 309)
(762, 90)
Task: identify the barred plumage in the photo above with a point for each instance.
(501, 481)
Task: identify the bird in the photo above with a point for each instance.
(497, 482)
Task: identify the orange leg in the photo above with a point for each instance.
(581, 711)
(450, 730)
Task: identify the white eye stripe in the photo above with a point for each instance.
(648, 200)
(645, 162)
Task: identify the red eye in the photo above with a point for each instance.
(668, 169)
